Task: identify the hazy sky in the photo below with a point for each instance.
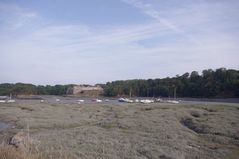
(94, 41)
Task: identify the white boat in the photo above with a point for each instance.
(129, 101)
(2, 101)
(159, 100)
(121, 100)
(146, 101)
(81, 100)
(3, 97)
(125, 100)
(173, 101)
(136, 101)
(11, 101)
(98, 101)
(58, 100)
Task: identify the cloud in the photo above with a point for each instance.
(190, 18)
(150, 11)
(14, 17)
(79, 53)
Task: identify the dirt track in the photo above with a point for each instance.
(127, 131)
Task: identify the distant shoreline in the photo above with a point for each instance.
(184, 99)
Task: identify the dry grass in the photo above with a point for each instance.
(28, 149)
(10, 152)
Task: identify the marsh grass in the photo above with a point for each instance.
(11, 152)
(72, 131)
(29, 152)
(29, 149)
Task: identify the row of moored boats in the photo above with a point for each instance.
(147, 101)
(8, 101)
(126, 100)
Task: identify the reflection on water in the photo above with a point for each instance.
(4, 126)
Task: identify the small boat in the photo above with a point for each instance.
(11, 101)
(159, 100)
(146, 101)
(129, 101)
(57, 100)
(3, 97)
(136, 100)
(97, 100)
(80, 100)
(2, 101)
(121, 100)
(173, 101)
(125, 100)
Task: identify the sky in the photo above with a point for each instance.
(95, 41)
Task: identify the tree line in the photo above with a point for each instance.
(210, 83)
(30, 89)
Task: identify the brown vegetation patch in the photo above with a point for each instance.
(210, 110)
(164, 157)
(26, 108)
(195, 114)
(146, 109)
(9, 152)
(194, 126)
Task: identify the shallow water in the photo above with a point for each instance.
(4, 126)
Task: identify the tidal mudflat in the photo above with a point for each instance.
(159, 130)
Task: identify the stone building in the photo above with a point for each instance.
(85, 91)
